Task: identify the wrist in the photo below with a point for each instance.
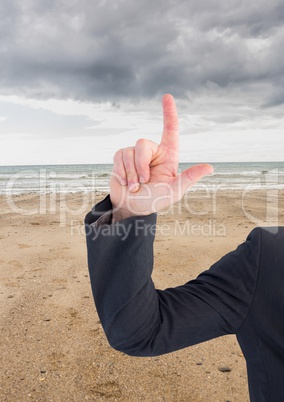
(119, 214)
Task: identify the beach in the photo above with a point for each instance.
(52, 345)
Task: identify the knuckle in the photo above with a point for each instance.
(172, 126)
(128, 157)
(119, 172)
(117, 156)
(128, 152)
(141, 142)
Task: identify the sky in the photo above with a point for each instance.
(82, 79)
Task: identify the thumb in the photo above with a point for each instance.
(189, 177)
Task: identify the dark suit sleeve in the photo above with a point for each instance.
(142, 321)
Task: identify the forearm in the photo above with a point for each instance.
(120, 259)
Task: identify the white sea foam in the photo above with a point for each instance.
(88, 178)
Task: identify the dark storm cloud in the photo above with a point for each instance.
(112, 50)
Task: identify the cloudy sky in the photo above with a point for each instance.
(80, 79)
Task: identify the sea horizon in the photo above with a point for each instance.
(109, 163)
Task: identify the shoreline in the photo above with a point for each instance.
(209, 187)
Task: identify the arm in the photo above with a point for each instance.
(140, 320)
(137, 318)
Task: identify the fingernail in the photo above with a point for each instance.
(123, 182)
(133, 186)
(142, 179)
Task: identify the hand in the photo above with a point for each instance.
(145, 177)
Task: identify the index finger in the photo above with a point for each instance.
(170, 136)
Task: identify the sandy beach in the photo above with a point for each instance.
(52, 345)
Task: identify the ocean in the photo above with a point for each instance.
(87, 178)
